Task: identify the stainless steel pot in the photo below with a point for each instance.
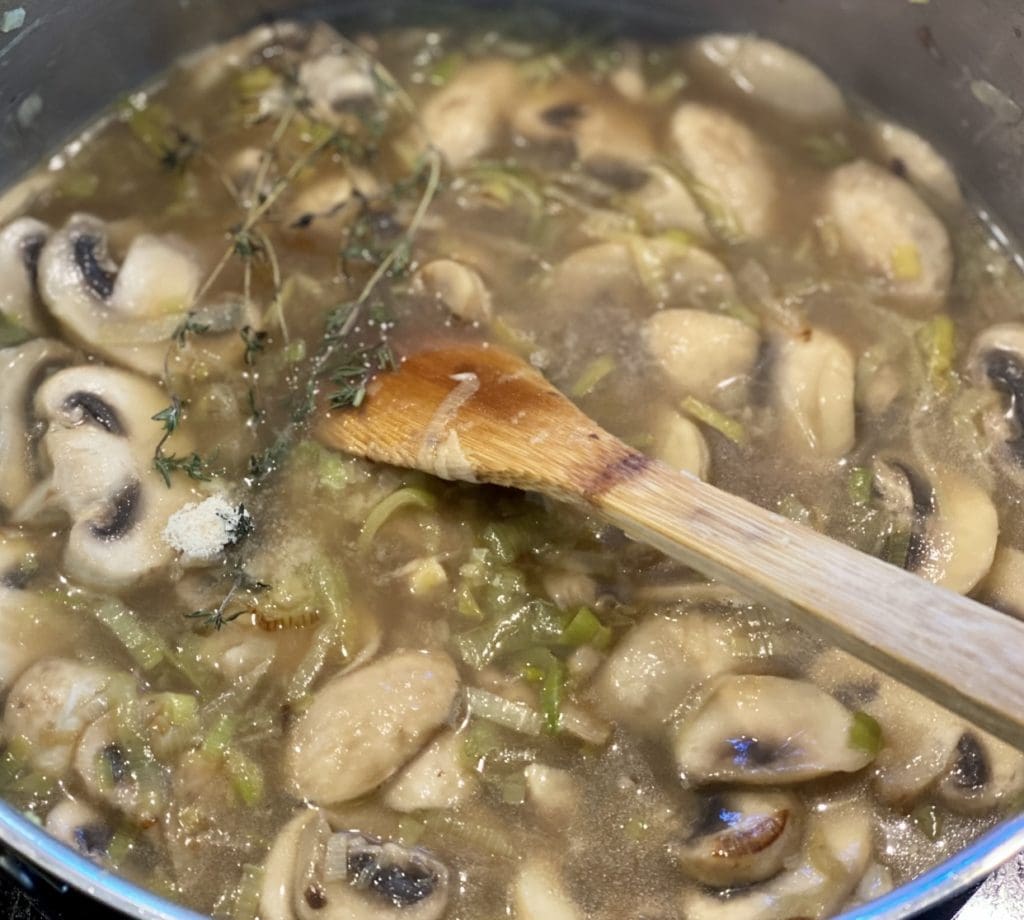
(951, 69)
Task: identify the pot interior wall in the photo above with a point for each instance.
(953, 71)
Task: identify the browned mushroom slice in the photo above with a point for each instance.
(742, 838)
(457, 287)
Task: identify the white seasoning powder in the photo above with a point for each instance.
(201, 531)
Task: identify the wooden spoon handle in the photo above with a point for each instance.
(962, 654)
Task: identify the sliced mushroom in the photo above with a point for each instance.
(734, 180)
(925, 748)
(949, 523)
(437, 778)
(80, 827)
(467, 116)
(52, 704)
(99, 442)
(835, 857)
(539, 894)
(910, 156)
(679, 443)
(655, 666)
(742, 838)
(814, 378)
(996, 362)
(457, 287)
(1003, 586)
(30, 627)
(336, 81)
(760, 730)
(885, 228)
(768, 74)
(702, 354)
(985, 775)
(127, 780)
(610, 136)
(552, 792)
(595, 278)
(21, 242)
(312, 872)
(663, 202)
(23, 369)
(128, 312)
(362, 727)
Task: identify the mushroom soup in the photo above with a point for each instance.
(270, 681)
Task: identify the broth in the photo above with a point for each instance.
(235, 662)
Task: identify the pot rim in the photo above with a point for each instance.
(963, 869)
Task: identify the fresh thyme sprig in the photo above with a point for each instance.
(165, 464)
(217, 617)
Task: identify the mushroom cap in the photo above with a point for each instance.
(910, 155)
(436, 778)
(733, 177)
(768, 74)
(539, 894)
(760, 730)
(126, 313)
(21, 242)
(663, 202)
(363, 726)
(834, 858)
(679, 443)
(609, 135)
(702, 354)
(467, 116)
(51, 705)
(312, 872)
(886, 228)
(655, 666)
(457, 287)
(100, 441)
(996, 362)
(814, 378)
(22, 370)
(81, 827)
(31, 626)
(744, 837)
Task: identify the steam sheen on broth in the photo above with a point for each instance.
(271, 681)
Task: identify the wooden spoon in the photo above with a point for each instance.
(480, 414)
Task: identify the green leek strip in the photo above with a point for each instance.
(586, 629)
(937, 341)
(859, 485)
(408, 497)
(247, 895)
(246, 776)
(552, 693)
(216, 742)
(332, 587)
(508, 713)
(12, 333)
(724, 425)
(591, 376)
(145, 647)
(928, 821)
(865, 734)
